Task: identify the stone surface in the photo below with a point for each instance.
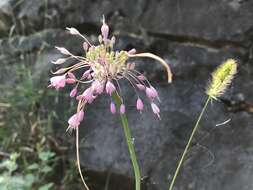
(194, 37)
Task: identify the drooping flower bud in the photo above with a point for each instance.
(132, 51)
(85, 46)
(113, 108)
(140, 86)
(59, 61)
(70, 81)
(151, 92)
(122, 109)
(73, 92)
(88, 95)
(155, 109)
(110, 88)
(63, 50)
(86, 74)
(80, 115)
(73, 31)
(71, 75)
(139, 104)
(141, 77)
(105, 31)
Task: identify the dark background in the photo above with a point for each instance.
(193, 36)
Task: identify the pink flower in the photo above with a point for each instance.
(58, 81)
(122, 109)
(110, 88)
(113, 108)
(98, 87)
(75, 120)
(73, 92)
(155, 109)
(88, 95)
(139, 104)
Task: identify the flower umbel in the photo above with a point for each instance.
(102, 69)
(221, 78)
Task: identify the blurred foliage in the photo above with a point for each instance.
(31, 156)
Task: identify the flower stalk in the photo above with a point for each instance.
(129, 141)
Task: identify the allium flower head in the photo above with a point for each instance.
(221, 78)
(102, 69)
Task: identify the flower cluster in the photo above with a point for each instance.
(102, 68)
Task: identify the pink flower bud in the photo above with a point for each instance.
(132, 51)
(58, 81)
(141, 77)
(105, 31)
(155, 109)
(140, 86)
(85, 46)
(139, 104)
(70, 81)
(80, 115)
(151, 93)
(63, 50)
(113, 108)
(113, 39)
(59, 61)
(110, 88)
(73, 92)
(122, 109)
(88, 95)
(86, 74)
(73, 31)
(71, 75)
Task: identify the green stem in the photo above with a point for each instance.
(130, 145)
(188, 144)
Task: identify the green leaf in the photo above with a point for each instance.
(34, 166)
(46, 187)
(46, 169)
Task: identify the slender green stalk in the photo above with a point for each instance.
(188, 144)
(130, 145)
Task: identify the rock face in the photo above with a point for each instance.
(194, 37)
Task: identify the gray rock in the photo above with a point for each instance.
(194, 37)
